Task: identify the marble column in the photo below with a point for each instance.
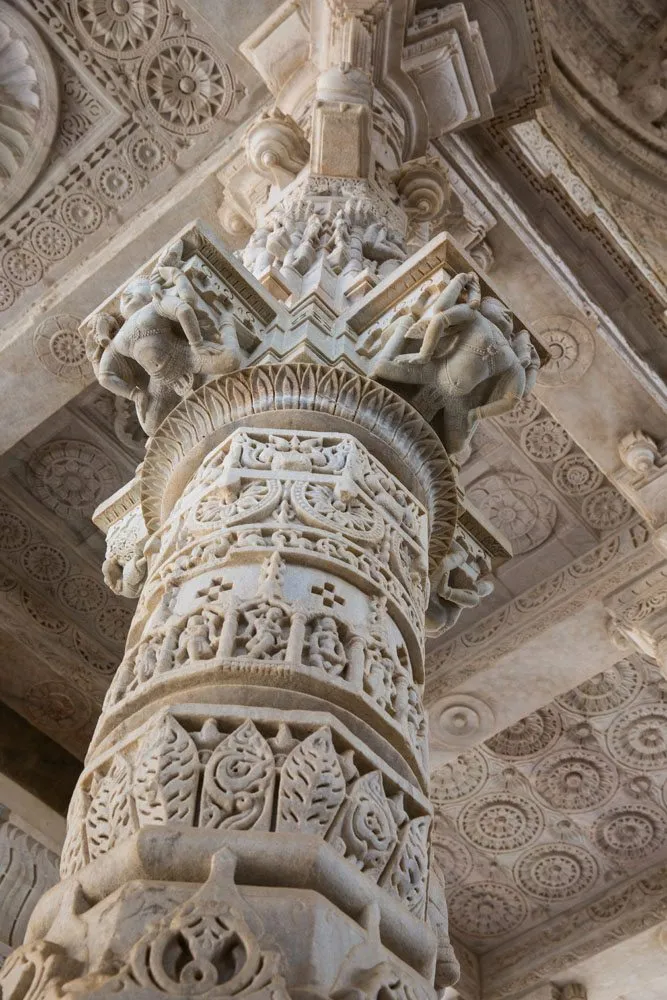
(253, 817)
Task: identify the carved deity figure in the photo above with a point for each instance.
(470, 363)
(265, 637)
(159, 352)
(378, 673)
(377, 244)
(338, 244)
(195, 642)
(306, 244)
(255, 256)
(325, 650)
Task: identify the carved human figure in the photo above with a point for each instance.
(303, 254)
(377, 677)
(195, 641)
(265, 634)
(325, 650)
(146, 662)
(470, 365)
(377, 244)
(338, 244)
(158, 353)
(402, 699)
(414, 715)
(255, 256)
(278, 242)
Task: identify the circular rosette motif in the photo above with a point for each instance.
(51, 240)
(571, 348)
(318, 505)
(638, 737)
(459, 778)
(556, 871)
(487, 909)
(514, 504)
(545, 440)
(44, 563)
(221, 507)
(71, 476)
(605, 692)
(56, 703)
(185, 86)
(575, 780)
(82, 594)
(22, 266)
(459, 720)
(526, 410)
(120, 28)
(606, 509)
(630, 833)
(14, 532)
(81, 213)
(147, 154)
(114, 622)
(527, 737)
(576, 476)
(501, 822)
(115, 183)
(61, 349)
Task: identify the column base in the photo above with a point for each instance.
(217, 913)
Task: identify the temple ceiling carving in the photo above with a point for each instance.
(552, 807)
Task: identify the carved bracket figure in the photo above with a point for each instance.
(165, 342)
(470, 364)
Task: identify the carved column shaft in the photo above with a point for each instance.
(259, 773)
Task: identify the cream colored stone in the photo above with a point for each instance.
(568, 215)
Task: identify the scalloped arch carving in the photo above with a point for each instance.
(28, 106)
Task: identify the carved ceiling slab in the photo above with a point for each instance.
(553, 834)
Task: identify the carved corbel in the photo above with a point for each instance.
(643, 477)
(276, 148)
(638, 616)
(424, 188)
(640, 454)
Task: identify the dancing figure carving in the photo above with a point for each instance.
(166, 344)
(470, 364)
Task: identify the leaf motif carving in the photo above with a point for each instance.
(407, 873)
(238, 785)
(75, 849)
(166, 773)
(110, 817)
(365, 830)
(312, 785)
